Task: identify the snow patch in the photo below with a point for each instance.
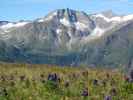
(55, 14)
(10, 25)
(128, 17)
(102, 16)
(65, 22)
(49, 18)
(58, 31)
(97, 32)
(41, 20)
(115, 19)
(80, 26)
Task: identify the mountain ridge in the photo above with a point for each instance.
(69, 37)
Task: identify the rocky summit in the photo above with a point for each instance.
(69, 37)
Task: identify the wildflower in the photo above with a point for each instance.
(95, 82)
(59, 80)
(131, 74)
(85, 92)
(43, 81)
(22, 78)
(107, 98)
(42, 76)
(113, 92)
(53, 77)
(112, 83)
(5, 92)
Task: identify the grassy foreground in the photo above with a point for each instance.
(36, 82)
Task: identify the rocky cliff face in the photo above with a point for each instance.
(68, 37)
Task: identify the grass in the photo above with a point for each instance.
(30, 82)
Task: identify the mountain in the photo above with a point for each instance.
(69, 37)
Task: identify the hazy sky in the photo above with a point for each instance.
(14, 10)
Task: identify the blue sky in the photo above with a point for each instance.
(14, 10)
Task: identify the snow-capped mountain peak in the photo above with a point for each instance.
(83, 24)
(65, 36)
